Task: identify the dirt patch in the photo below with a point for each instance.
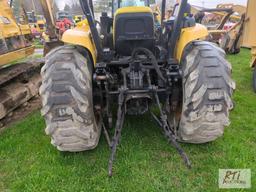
(20, 113)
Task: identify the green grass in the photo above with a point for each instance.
(145, 162)
(38, 44)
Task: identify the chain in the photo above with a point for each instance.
(169, 133)
(118, 130)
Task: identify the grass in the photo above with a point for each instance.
(29, 58)
(35, 56)
(38, 44)
(145, 162)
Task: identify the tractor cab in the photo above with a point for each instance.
(135, 24)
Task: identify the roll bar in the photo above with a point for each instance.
(87, 8)
(176, 29)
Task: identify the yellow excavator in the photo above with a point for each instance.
(15, 39)
(19, 80)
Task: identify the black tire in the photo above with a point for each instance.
(254, 79)
(207, 92)
(67, 103)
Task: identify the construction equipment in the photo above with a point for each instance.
(132, 66)
(37, 24)
(227, 34)
(41, 23)
(249, 38)
(53, 34)
(15, 40)
(78, 18)
(32, 20)
(19, 82)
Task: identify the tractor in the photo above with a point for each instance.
(125, 64)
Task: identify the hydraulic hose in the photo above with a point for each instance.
(152, 58)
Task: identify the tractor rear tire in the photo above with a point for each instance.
(67, 102)
(254, 79)
(207, 92)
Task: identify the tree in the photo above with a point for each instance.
(76, 9)
(67, 8)
(102, 5)
(28, 4)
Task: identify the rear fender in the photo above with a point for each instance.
(81, 35)
(188, 35)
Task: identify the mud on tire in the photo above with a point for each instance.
(207, 92)
(67, 103)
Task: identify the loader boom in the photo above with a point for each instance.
(50, 20)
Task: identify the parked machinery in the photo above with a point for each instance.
(135, 66)
(37, 24)
(225, 24)
(15, 39)
(19, 82)
(78, 18)
(53, 36)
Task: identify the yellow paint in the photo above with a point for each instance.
(188, 35)
(156, 10)
(25, 29)
(16, 55)
(41, 22)
(223, 14)
(8, 27)
(78, 18)
(125, 10)
(81, 35)
(11, 28)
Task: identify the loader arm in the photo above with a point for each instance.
(48, 14)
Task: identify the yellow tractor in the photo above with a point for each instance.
(132, 67)
(15, 39)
